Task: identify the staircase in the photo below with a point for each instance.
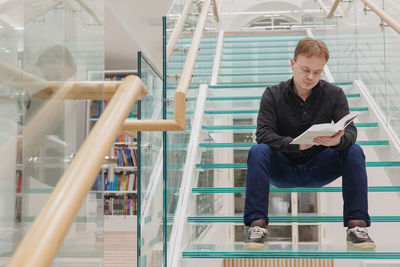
(304, 222)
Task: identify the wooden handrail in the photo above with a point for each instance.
(215, 10)
(178, 123)
(333, 8)
(80, 90)
(383, 15)
(45, 236)
(331, 12)
(178, 29)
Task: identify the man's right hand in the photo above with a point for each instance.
(304, 147)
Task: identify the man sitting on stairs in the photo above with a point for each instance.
(286, 110)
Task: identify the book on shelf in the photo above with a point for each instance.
(324, 129)
(120, 181)
(96, 108)
(126, 156)
(18, 209)
(120, 204)
(19, 180)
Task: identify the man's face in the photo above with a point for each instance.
(307, 71)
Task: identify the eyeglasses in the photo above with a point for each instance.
(307, 71)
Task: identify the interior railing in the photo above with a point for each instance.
(366, 42)
(368, 3)
(178, 123)
(383, 15)
(329, 12)
(44, 238)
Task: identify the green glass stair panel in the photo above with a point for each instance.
(201, 59)
(327, 189)
(260, 84)
(285, 219)
(225, 59)
(253, 127)
(268, 36)
(254, 74)
(247, 145)
(255, 51)
(250, 144)
(210, 166)
(256, 98)
(315, 251)
(269, 65)
(255, 41)
(255, 111)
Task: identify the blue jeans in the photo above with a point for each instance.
(265, 166)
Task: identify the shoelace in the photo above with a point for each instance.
(360, 232)
(257, 232)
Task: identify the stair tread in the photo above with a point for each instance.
(339, 251)
(257, 97)
(244, 165)
(261, 84)
(255, 111)
(250, 144)
(253, 126)
(309, 218)
(214, 190)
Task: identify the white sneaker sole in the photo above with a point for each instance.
(365, 245)
(255, 245)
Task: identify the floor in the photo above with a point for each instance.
(120, 249)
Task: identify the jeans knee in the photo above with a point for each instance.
(355, 152)
(259, 150)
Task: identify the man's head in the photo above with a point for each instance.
(310, 57)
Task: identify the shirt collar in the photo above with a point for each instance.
(289, 88)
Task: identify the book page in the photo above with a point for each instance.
(324, 129)
(346, 120)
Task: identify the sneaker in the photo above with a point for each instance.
(257, 238)
(358, 237)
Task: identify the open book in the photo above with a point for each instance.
(324, 129)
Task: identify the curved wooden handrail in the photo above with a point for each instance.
(178, 123)
(329, 13)
(383, 15)
(45, 236)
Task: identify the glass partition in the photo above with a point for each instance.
(41, 42)
(150, 182)
(177, 141)
(392, 63)
(364, 47)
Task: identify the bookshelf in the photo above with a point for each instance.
(117, 181)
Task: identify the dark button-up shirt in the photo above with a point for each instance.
(283, 116)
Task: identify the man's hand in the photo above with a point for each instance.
(333, 140)
(304, 147)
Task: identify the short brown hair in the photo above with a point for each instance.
(311, 47)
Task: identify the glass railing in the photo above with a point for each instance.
(150, 182)
(174, 156)
(51, 41)
(367, 50)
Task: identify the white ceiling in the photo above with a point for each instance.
(130, 26)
